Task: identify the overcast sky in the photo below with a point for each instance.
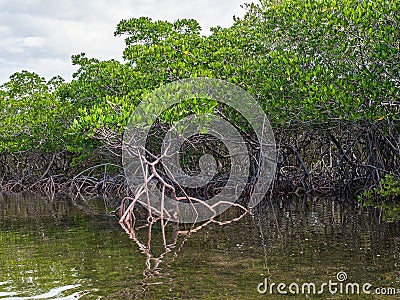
(41, 35)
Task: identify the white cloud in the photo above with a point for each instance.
(48, 67)
(41, 35)
(13, 50)
(34, 42)
(4, 29)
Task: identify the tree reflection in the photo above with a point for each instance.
(161, 240)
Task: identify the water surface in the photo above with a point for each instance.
(63, 248)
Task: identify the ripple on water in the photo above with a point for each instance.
(55, 293)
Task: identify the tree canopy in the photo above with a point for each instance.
(307, 63)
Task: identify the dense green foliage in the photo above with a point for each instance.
(388, 189)
(306, 62)
(303, 60)
(32, 116)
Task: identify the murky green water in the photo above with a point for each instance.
(65, 249)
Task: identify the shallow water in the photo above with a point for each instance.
(64, 248)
